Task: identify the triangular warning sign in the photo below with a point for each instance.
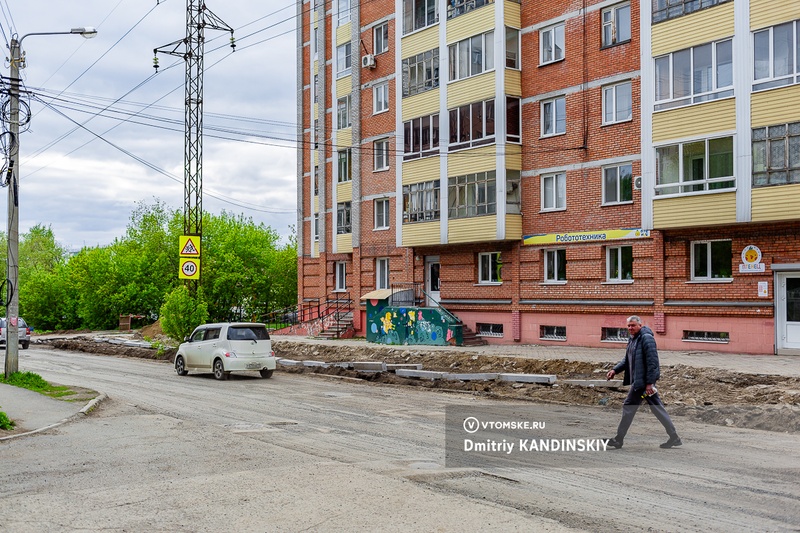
(189, 248)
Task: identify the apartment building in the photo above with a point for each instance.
(546, 168)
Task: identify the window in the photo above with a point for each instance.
(344, 12)
(490, 268)
(472, 195)
(459, 7)
(380, 98)
(472, 125)
(421, 137)
(554, 191)
(381, 150)
(553, 333)
(343, 112)
(555, 265)
(617, 184)
(314, 45)
(317, 134)
(695, 166)
(711, 260)
(471, 56)
(421, 72)
(776, 52)
(616, 21)
(614, 334)
(513, 120)
(344, 170)
(315, 88)
(380, 43)
(316, 180)
(381, 208)
(418, 14)
(551, 43)
(776, 155)
(421, 201)
(316, 227)
(382, 273)
(554, 117)
(343, 60)
(694, 75)
(513, 193)
(489, 330)
(670, 9)
(619, 263)
(617, 103)
(343, 218)
(341, 276)
(706, 336)
(512, 48)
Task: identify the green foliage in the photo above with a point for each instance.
(5, 422)
(181, 313)
(26, 380)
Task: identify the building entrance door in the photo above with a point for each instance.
(788, 317)
(432, 280)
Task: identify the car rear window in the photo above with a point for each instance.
(248, 333)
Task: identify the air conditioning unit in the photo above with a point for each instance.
(637, 183)
(368, 61)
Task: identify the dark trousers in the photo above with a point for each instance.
(631, 405)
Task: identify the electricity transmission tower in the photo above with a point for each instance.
(198, 19)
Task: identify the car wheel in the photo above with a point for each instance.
(180, 366)
(25, 345)
(266, 374)
(219, 370)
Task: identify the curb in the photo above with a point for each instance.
(88, 408)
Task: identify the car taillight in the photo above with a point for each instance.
(230, 354)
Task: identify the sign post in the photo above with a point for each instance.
(189, 257)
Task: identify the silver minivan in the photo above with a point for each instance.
(24, 332)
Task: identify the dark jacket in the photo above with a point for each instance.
(646, 369)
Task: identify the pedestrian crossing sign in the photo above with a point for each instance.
(190, 246)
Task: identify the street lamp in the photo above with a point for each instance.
(17, 61)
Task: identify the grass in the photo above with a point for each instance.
(36, 383)
(5, 422)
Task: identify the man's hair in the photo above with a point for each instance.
(634, 318)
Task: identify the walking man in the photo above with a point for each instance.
(642, 370)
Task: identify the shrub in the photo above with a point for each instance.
(181, 312)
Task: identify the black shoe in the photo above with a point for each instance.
(672, 442)
(614, 443)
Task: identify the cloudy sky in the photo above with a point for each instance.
(84, 181)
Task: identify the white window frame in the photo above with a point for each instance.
(684, 186)
(709, 261)
(462, 50)
(716, 92)
(610, 25)
(549, 109)
(486, 274)
(617, 184)
(552, 277)
(559, 182)
(514, 56)
(616, 252)
(431, 7)
(771, 80)
(556, 36)
(381, 150)
(382, 273)
(344, 60)
(341, 276)
(315, 227)
(381, 212)
(343, 113)
(381, 30)
(344, 218)
(314, 45)
(611, 105)
(344, 167)
(343, 12)
(380, 98)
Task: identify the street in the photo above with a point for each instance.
(306, 453)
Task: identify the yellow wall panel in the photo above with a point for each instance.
(472, 229)
(343, 36)
(765, 13)
(513, 157)
(700, 27)
(700, 210)
(775, 203)
(475, 22)
(512, 14)
(693, 120)
(344, 191)
(315, 250)
(470, 90)
(344, 86)
(316, 203)
(426, 103)
(344, 243)
(513, 82)
(419, 170)
(344, 138)
(421, 233)
(775, 106)
(419, 42)
(473, 160)
(513, 227)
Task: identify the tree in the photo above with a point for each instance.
(181, 313)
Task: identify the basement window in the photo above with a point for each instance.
(553, 333)
(489, 330)
(614, 335)
(707, 336)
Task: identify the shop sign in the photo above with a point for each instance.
(586, 236)
(751, 260)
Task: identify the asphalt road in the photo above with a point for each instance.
(303, 453)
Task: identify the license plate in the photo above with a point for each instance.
(253, 365)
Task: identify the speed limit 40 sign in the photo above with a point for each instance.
(189, 269)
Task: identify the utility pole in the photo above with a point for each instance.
(198, 18)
